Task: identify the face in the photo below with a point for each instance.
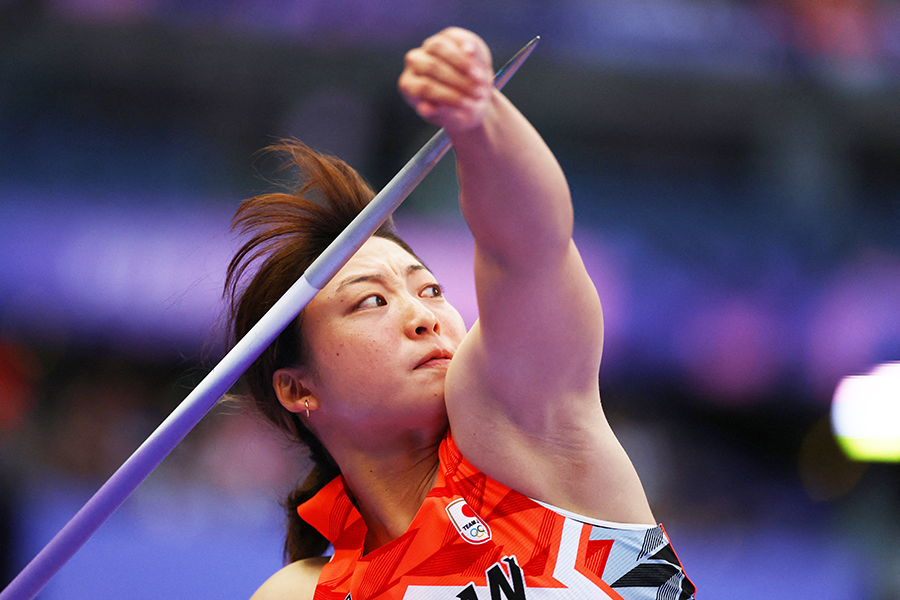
(380, 337)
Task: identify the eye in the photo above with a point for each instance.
(372, 301)
(432, 291)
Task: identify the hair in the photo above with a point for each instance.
(287, 231)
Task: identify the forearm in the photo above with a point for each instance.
(513, 193)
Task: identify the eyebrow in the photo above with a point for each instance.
(378, 277)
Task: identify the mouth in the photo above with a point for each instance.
(437, 358)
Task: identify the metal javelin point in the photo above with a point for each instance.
(170, 432)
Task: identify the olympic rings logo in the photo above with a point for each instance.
(468, 524)
(476, 532)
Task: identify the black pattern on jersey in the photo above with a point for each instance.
(661, 570)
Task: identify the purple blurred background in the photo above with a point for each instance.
(736, 173)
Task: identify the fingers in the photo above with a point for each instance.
(430, 77)
(448, 79)
(462, 49)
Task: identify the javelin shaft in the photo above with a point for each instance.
(180, 422)
(395, 192)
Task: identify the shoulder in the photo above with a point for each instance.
(296, 580)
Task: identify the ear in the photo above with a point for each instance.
(291, 392)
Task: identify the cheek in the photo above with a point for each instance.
(355, 350)
(454, 325)
(347, 368)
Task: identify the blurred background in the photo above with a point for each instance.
(735, 167)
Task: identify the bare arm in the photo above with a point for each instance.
(522, 392)
(296, 581)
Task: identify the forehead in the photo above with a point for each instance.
(377, 255)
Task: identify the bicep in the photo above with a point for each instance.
(529, 367)
(541, 330)
(523, 394)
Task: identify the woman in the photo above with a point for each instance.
(378, 371)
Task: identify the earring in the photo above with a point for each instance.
(307, 408)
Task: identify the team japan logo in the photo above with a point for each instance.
(467, 523)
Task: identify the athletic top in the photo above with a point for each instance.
(476, 539)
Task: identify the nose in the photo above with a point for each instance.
(420, 319)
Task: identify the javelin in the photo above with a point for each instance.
(225, 374)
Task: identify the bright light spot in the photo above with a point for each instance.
(865, 414)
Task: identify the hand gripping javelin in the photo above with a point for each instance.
(225, 374)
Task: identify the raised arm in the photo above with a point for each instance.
(522, 392)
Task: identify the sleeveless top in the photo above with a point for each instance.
(476, 539)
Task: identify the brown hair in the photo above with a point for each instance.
(287, 232)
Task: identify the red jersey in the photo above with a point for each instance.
(476, 539)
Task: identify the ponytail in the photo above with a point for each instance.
(303, 540)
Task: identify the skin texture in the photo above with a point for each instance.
(521, 392)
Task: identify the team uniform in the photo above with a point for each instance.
(476, 539)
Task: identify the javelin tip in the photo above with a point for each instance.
(514, 63)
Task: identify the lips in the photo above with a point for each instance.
(435, 358)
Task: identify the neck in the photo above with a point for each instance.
(389, 487)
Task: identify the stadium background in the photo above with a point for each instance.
(735, 167)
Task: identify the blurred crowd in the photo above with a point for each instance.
(736, 172)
